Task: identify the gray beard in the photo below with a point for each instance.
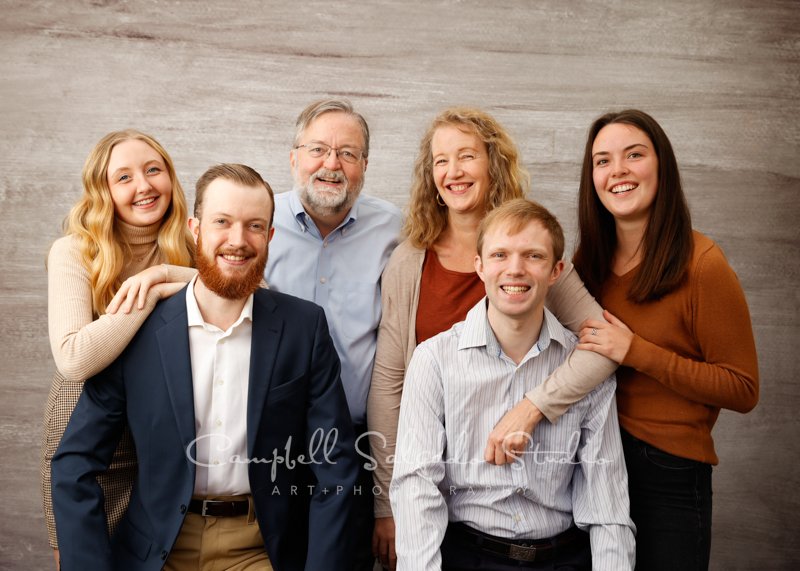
(327, 204)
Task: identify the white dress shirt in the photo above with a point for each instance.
(458, 386)
(220, 378)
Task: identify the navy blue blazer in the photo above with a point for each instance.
(302, 501)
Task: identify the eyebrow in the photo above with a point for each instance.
(146, 163)
(628, 148)
(222, 214)
(345, 146)
(460, 150)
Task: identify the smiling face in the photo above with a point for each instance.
(517, 269)
(327, 185)
(460, 169)
(625, 171)
(139, 181)
(232, 237)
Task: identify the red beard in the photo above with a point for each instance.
(236, 286)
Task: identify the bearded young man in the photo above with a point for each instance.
(228, 390)
(331, 245)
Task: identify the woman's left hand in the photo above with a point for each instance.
(611, 338)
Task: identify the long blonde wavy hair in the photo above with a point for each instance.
(93, 223)
(426, 219)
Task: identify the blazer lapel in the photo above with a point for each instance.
(176, 363)
(267, 328)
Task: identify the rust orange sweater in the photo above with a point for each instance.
(692, 354)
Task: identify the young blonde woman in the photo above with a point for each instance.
(127, 233)
(466, 166)
(678, 326)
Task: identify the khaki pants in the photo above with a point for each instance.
(219, 544)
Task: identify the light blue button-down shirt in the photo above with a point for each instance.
(341, 273)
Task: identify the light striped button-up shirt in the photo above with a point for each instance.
(458, 386)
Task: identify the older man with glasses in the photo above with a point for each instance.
(330, 247)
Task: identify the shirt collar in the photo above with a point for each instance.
(478, 333)
(195, 318)
(306, 222)
(474, 332)
(555, 331)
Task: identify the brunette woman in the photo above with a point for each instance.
(678, 324)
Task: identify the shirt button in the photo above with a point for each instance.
(183, 509)
(519, 491)
(219, 382)
(324, 244)
(216, 462)
(163, 555)
(219, 422)
(322, 280)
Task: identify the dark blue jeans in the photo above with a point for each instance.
(671, 507)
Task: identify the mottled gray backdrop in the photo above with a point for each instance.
(218, 82)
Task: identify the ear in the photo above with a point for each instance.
(366, 162)
(194, 227)
(293, 158)
(271, 234)
(479, 267)
(556, 273)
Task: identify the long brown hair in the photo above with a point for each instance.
(426, 218)
(667, 242)
(93, 223)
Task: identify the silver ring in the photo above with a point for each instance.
(594, 331)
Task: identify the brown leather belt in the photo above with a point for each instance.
(219, 508)
(517, 549)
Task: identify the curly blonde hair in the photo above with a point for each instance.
(93, 223)
(426, 219)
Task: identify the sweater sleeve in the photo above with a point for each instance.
(571, 303)
(83, 346)
(727, 375)
(180, 274)
(386, 388)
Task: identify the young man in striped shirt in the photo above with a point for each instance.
(564, 500)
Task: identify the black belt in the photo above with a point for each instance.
(517, 549)
(219, 508)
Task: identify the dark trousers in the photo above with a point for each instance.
(459, 555)
(363, 510)
(671, 507)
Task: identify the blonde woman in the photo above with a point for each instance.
(127, 233)
(466, 166)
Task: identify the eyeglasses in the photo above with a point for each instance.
(320, 150)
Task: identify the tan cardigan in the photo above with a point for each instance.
(83, 345)
(568, 299)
